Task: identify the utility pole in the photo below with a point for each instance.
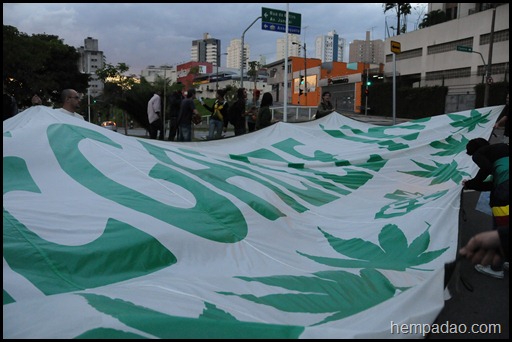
(242, 54)
(305, 74)
(305, 77)
(488, 79)
(217, 77)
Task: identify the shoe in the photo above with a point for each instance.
(487, 270)
(505, 265)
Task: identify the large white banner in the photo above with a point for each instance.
(332, 228)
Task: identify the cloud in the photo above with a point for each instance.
(142, 34)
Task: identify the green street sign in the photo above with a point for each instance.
(464, 48)
(275, 20)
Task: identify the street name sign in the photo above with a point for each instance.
(464, 48)
(275, 20)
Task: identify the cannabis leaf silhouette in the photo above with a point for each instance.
(338, 292)
(404, 202)
(471, 122)
(343, 293)
(451, 146)
(393, 253)
(212, 323)
(440, 172)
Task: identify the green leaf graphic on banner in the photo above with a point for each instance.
(450, 147)
(404, 202)
(337, 292)
(392, 254)
(439, 172)
(213, 323)
(377, 135)
(343, 293)
(476, 119)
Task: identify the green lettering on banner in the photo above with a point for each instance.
(230, 228)
(69, 268)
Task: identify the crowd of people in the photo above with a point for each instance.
(243, 115)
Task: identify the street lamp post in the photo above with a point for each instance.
(242, 54)
(217, 77)
(305, 72)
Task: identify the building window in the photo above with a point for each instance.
(450, 46)
(445, 74)
(499, 36)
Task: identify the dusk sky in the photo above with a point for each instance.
(143, 34)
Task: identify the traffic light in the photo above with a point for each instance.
(366, 92)
(368, 83)
(301, 92)
(301, 79)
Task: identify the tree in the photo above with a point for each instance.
(116, 85)
(40, 64)
(433, 18)
(254, 68)
(402, 9)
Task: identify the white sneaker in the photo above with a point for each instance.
(487, 270)
(505, 265)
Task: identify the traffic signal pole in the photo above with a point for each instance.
(305, 77)
(366, 93)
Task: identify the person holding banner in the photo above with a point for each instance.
(493, 160)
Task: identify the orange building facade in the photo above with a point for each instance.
(308, 78)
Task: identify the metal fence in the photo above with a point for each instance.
(295, 114)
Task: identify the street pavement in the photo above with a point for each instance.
(476, 305)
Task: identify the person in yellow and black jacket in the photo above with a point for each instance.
(219, 112)
(493, 160)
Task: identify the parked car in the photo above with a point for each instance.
(109, 125)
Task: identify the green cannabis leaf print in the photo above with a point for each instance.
(462, 121)
(343, 293)
(450, 147)
(404, 202)
(338, 292)
(212, 323)
(439, 172)
(393, 253)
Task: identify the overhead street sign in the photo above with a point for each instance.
(464, 48)
(395, 47)
(275, 20)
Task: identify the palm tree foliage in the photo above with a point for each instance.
(402, 10)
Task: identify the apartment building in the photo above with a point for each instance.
(471, 48)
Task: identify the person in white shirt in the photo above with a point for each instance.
(156, 123)
(70, 103)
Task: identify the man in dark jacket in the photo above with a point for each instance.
(493, 160)
(174, 112)
(237, 113)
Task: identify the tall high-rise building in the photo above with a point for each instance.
(367, 51)
(330, 47)
(207, 49)
(91, 59)
(293, 49)
(234, 54)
